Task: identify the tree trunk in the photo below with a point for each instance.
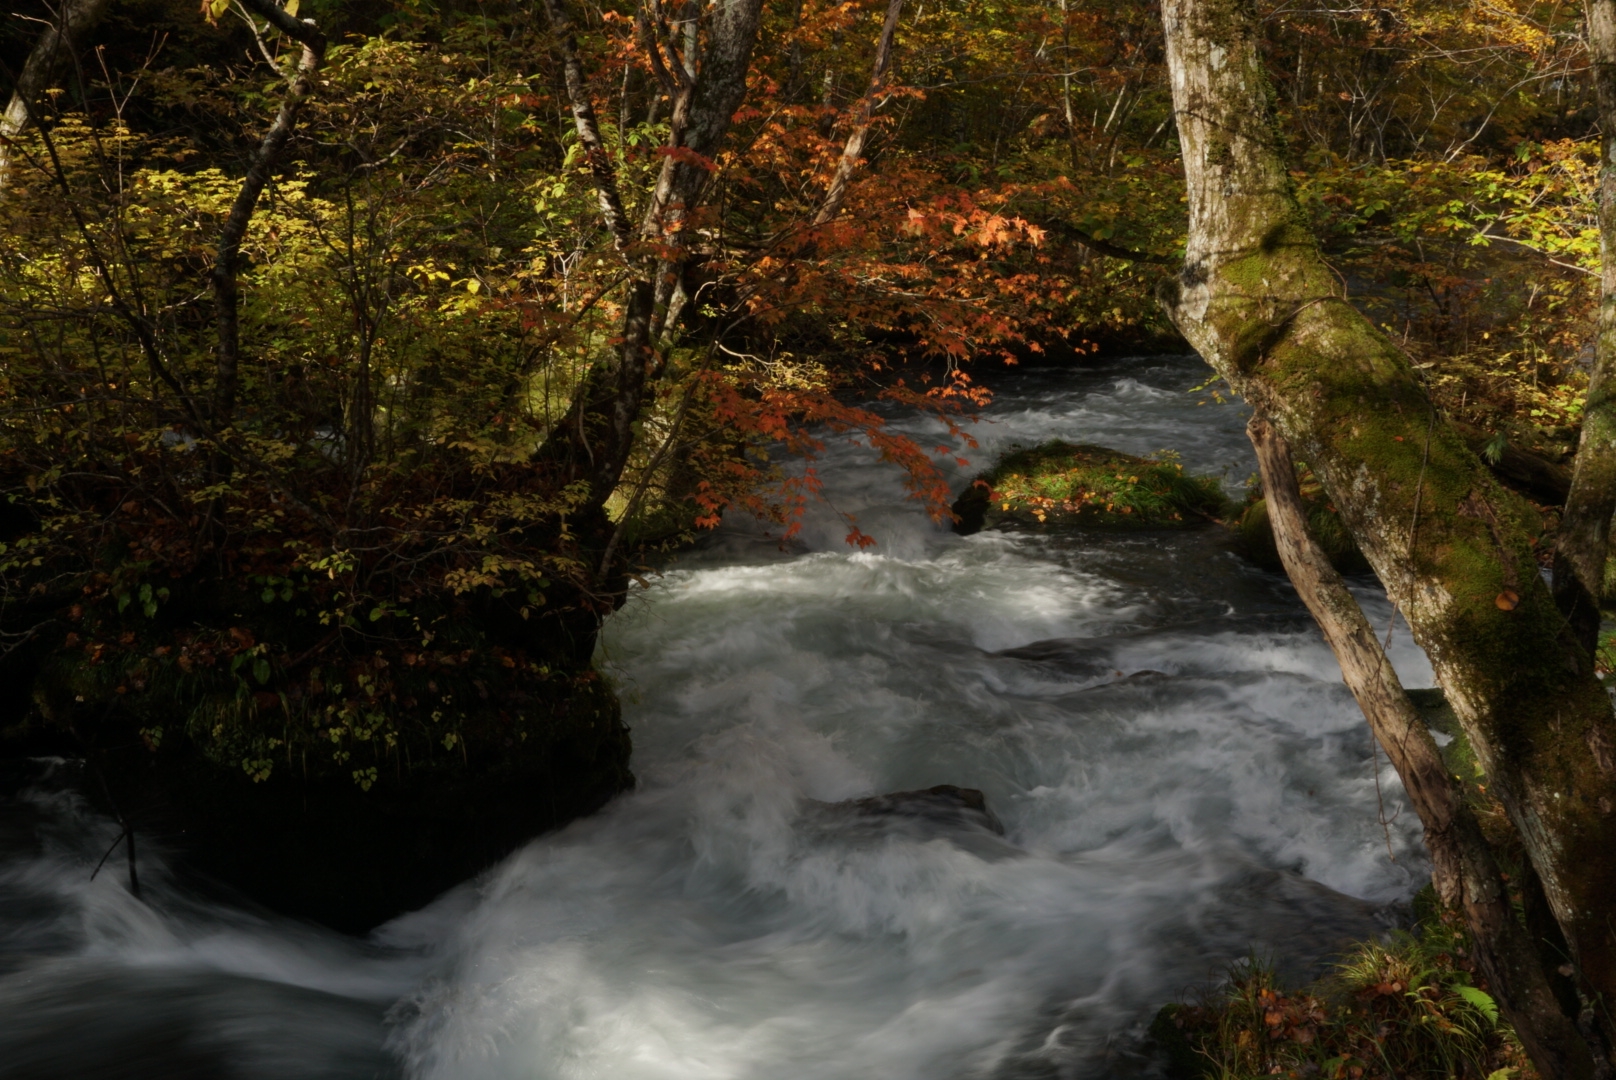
(1583, 541)
(853, 151)
(1463, 868)
(226, 264)
(1454, 550)
(594, 444)
(44, 68)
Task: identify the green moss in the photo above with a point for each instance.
(1256, 536)
(1457, 754)
(1061, 483)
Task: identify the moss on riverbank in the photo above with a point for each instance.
(1060, 483)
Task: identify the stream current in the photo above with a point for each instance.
(1181, 777)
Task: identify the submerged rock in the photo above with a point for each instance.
(1060, 483)
(944, 805)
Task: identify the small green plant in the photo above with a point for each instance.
(1399, 1009)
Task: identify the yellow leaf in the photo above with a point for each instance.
(291, 8)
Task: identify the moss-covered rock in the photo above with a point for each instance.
(1062, 484)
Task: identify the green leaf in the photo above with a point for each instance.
(1493, 452)
(267, 595)
(261, 670)
(1481, 1001)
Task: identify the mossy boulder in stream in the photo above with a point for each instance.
(1060, 483)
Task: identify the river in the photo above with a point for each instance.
(1180, 775)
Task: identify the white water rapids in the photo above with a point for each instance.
(1181, 777)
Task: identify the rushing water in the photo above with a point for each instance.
(1181, 777)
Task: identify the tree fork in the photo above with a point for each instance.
(595, 443)
(1454, 550)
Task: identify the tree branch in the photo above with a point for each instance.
(583, 117)
(226, 265)
(836, 193)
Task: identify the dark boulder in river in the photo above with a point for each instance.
(944, 805)
(353, 842)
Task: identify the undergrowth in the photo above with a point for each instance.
(1402, 1009)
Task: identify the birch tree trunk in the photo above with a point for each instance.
(46, 64)
(1454, 550)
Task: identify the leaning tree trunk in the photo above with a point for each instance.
(227, 263)
(1454, 550)
(46, 64)
(853, 151)
(1462, 865)
(1584, 536)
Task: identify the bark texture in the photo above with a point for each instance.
(47, 62)
(1453, 548)
(1583, 541)
(1463, 868)
(601, 170)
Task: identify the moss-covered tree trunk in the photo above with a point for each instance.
(1464, 870)
(1584, 538)
(1454, 550)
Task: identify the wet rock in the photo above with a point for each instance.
(945, 805)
